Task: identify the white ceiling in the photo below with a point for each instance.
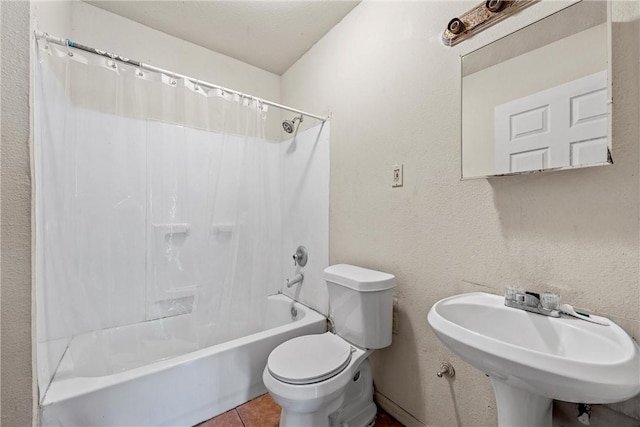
(269, 34)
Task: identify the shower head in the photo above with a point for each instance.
(290, 125)
(287, 125)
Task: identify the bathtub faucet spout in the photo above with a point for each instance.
(298, 278)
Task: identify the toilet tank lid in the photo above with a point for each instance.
(358, 278)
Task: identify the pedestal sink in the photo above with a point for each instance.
(532, 359)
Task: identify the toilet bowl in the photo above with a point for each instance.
(326, 379)
(318, 393)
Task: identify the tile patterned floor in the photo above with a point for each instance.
(264, 412)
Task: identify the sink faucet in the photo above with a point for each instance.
(535, 302)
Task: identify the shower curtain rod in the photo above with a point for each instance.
(70, 43)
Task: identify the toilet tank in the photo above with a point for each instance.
(361, 304)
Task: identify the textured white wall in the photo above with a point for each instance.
(53, 17)
(15, 221)
(394, 92)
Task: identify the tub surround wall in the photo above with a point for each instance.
(394, 93)
(305, 212)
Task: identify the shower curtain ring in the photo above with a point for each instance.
(46, 41)
(111, 62)
(69, 45)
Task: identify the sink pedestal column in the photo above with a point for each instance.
(517, 407)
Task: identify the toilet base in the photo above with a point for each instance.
(319, 418)
(366, 417)
(354, 407)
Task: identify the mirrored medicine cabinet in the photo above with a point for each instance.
(540, 98)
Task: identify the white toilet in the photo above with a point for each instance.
(325, 379)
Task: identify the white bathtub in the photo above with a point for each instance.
(177, 391)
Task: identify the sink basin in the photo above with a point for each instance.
(532, 359)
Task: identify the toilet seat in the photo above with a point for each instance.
(309, 359)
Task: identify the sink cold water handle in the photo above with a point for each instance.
(446, 369)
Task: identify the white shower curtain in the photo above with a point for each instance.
(155, 197)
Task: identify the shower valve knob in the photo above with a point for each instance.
(301, 256)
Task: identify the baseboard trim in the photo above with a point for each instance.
(396, 411)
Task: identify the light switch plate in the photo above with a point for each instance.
(397, 176)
